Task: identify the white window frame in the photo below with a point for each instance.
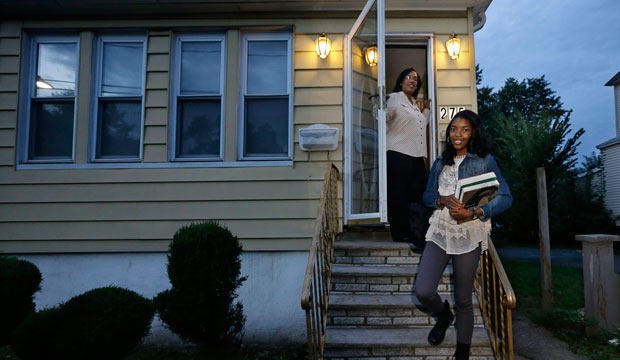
(96, 93)
(175, 82)
(247, 37)
(29, 71)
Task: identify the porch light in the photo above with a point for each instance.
(42, 84)
(323, 45)
(370, 53)
(453, 45)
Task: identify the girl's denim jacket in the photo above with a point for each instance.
(472, 165)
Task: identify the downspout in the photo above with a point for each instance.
(482, 17)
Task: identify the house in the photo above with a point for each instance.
(122, 121)
(610, 156)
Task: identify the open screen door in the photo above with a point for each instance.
(364, 116)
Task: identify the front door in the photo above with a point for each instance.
(364, 116)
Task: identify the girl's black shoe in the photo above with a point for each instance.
(444, 319)
(462, 351)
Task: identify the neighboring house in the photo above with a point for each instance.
(594, 179)
(122, 121)
(610, 156)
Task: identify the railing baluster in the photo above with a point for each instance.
(497, 300)
(317, 282)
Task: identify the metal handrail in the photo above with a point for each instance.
(497, 299)
(315, 290)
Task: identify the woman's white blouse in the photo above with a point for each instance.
(406, 126)
(444, 231)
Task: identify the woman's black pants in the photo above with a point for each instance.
(406, 181)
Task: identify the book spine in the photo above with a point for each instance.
(475, 183)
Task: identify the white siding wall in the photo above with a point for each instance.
(611, 163)
(617, 103)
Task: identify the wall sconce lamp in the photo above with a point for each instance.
(323, 45)
(453, 45)
(371, 55)
(42, 84)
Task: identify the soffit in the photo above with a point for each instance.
(58, 9)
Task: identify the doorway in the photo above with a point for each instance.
(414, 50)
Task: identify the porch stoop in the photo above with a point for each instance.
(373, 313)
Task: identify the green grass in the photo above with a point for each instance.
(149, 352)
(565, 321)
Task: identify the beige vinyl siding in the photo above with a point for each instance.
(318, 94)
(10, 39)
(139, 209)
(611, 163)
(156, 92)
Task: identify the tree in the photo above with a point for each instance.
(530, 128)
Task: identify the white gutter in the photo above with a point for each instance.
(482, 17)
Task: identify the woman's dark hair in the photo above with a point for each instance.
(478, 143)
(399, 82)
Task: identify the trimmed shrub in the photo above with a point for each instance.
(103, 323)
(19, 280)
(34, 338)
(204, 267)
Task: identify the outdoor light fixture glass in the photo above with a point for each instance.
(42, 84)
(454, 46)
(370, 53)
(323, 45)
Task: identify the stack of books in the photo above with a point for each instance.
(477, 190)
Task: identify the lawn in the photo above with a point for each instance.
(148, 352)
(566, 320)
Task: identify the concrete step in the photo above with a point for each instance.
(399, 343)
(385, 310)
(374, 253)
(362, 279)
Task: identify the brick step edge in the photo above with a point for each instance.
(379, 270)
(395, 339)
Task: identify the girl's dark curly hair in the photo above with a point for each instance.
(478, 143)
(399, 82)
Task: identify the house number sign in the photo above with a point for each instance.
(448, 112)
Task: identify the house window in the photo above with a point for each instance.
(49, 112)
(119, 97)
(197, 105)
(266, 103)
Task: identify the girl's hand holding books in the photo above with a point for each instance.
(451, 202)
(461, 214)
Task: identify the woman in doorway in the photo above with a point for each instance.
(406, 150)
(451, 233)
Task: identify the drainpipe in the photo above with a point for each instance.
(482, 17)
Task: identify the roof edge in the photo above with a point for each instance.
(614, 80)
(609, 143)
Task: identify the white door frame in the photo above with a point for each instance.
(347, 72)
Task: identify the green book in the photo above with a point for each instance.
(477, 190)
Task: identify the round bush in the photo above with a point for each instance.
(34, 337)
(103, 323)
(204, 267)
(19, 280)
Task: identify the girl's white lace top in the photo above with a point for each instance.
(444, 231)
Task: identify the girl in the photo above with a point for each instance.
(466, 154)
